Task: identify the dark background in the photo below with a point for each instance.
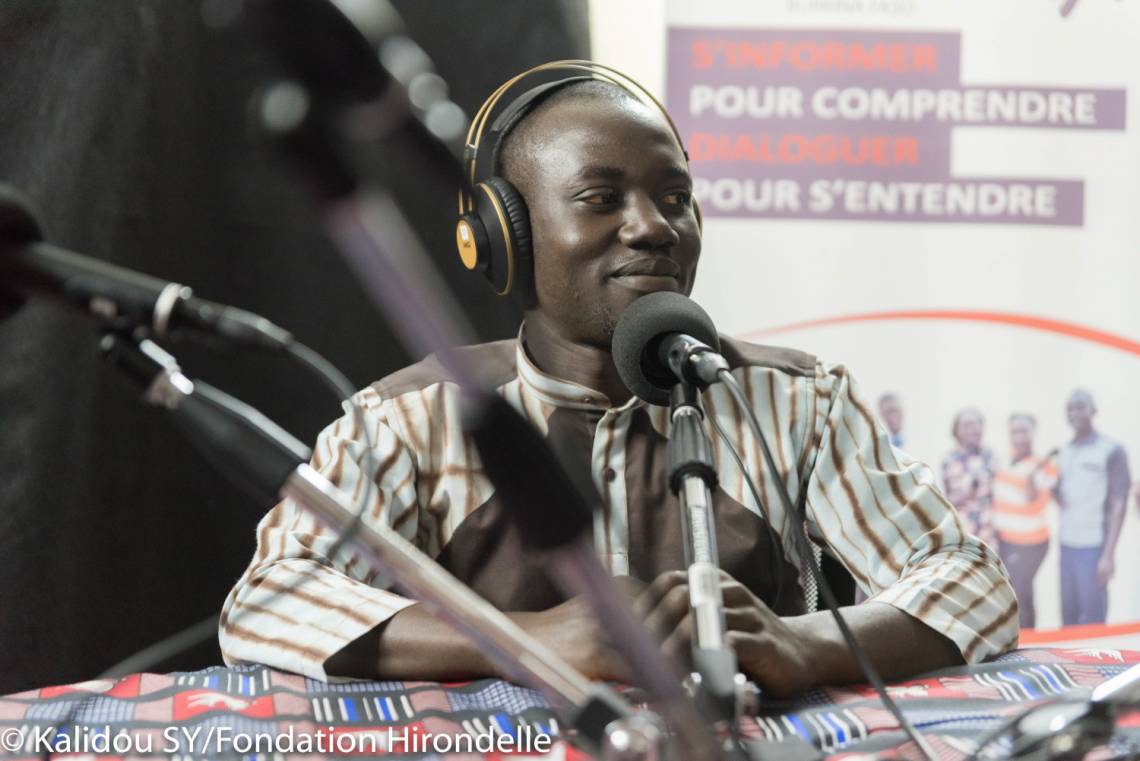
(125, 123)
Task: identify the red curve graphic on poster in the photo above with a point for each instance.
(1044, 324)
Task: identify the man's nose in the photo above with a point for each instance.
(644, 226)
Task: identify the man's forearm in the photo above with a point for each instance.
(1113, 525)
(413, 644)
(898, 644)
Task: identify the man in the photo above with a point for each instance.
(968, 474)
(891, 412)
(1021, 493)
(1092, 494)
(608, 193)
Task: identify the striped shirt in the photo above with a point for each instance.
(1021, 493)
(873, 508)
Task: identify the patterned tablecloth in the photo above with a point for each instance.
(255, 711)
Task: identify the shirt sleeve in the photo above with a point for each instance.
(298, 603)
(885, 520)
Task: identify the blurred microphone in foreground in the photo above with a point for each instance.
(116, 296)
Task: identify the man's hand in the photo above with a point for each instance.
(769, 650)
(1105, 567)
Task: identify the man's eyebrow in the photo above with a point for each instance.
(677, 172)
(598, 172)
(613, 173)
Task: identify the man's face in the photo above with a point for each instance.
(1079, 410)
(609, 195)
(891, 412)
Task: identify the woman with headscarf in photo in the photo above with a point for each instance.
(968, 475)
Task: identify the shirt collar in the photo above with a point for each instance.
(557, 391)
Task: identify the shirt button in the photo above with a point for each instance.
(609, 474)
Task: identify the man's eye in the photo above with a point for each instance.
(600, 198)
(678, 198)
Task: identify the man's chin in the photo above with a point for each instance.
(618, 300)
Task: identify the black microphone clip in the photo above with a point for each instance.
(692, 361)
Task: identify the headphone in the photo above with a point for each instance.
(493, 232)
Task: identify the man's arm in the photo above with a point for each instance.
(898, 644)
(786, 656)
(1119, 482)
(939, 596)
(930, 583)
(1114, 519)
(413, 644)
(297, 603)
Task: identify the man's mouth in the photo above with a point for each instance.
(649, 275)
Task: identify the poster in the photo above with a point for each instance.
(940, 196)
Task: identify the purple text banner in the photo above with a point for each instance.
(838, 124)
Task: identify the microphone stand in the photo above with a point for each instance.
(271, 464)
(692, 477)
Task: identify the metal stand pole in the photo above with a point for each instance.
(692, 477)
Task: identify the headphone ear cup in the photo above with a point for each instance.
(507, 223)
(518, 217)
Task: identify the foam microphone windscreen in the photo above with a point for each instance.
(639, 333)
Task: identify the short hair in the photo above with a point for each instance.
(1024, 417)
(890, 396)
(519, 142)
(1083, 395)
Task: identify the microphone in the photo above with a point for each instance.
(663, 347)
(663, 338)
(119, 297)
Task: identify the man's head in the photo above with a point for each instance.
(608, 192)
(1022, 426)
(890, 410)
(1080, 409)
(968, 427)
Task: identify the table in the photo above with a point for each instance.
(221, 712)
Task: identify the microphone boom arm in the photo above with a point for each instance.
(271, 464)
